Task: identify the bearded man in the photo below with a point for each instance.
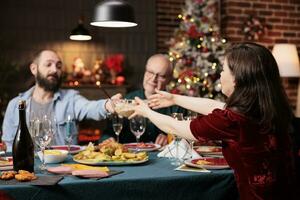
(46, 98)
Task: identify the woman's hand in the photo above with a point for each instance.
(161, 99)
(141, 108)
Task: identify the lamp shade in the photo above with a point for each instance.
(80, 33)
(287, 59)
(113, 13)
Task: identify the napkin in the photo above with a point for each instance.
(184, 150)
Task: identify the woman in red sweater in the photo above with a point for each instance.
(253, 124)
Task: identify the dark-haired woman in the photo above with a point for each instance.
(253, 124)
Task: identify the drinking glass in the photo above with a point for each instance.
(124, 107)
(117, 122)
(175, 160)
(45, 130)
(137, 127)
(70, 130)
(190, 116)
(34, 126)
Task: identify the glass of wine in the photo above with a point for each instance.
(117, 123)
(70, 130)
(137, 127)
(45, 131)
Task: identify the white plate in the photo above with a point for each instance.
(214, 163)
(91, 162)
(142, 146)
(74, 148)
(209, 150)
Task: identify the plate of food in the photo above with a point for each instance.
(109, 153)
(141, 146)
(73, 148)
(209, 150)
(6, 163)
(208, 163)
(109, 162)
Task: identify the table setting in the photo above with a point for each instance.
(78, 172)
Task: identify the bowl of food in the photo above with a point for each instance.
(53, 155)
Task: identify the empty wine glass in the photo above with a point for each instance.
(117, 122)
(45, 130)
(70, 130)
(175, 160)
(191, 116)
(137, 127)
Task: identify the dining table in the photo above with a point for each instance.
(155, 179)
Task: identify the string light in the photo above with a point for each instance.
(214, 65)
(212, 39)
(192, 20)
(187, 79)
(223, 40)
(179, 16)
(199, 46)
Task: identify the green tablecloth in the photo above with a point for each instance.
(155, 179)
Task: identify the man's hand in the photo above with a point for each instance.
(161, 139)
(109, 105)
(161, 99)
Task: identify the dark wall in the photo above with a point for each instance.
(27, 26)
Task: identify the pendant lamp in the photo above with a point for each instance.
(80, 33)
(114, 14)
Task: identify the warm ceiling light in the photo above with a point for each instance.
(114, 14)
(286, 56)
(80, 33)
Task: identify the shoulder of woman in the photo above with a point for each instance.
(231, 114)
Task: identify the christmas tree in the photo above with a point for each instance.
(197, 51)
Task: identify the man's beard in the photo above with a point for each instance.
(48, 85)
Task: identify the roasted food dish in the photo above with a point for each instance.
(7, 175)
(109, 151)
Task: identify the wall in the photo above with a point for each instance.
(282, 18)
(31, 25)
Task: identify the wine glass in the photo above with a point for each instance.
(191, 116)
(34, 125)
(70, 130)
(137, 127)
(175, 160)
(45, 130)
(117, 122)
